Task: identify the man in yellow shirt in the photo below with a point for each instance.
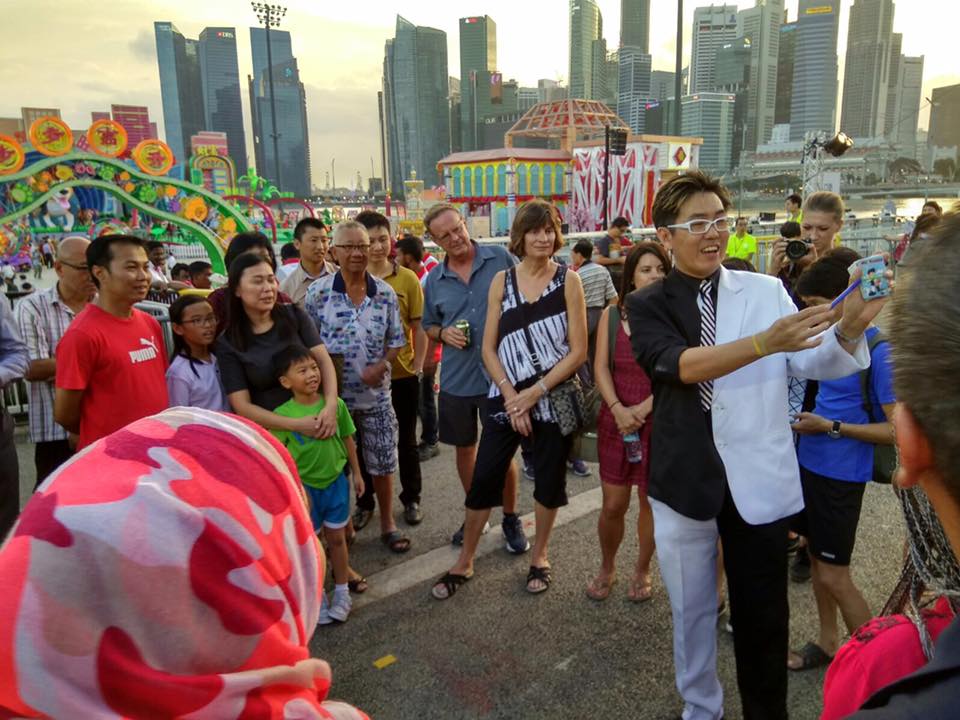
(408, 365)
(742, 244)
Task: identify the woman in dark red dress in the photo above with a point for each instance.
(627, 402)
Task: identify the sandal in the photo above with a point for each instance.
(360, 519)
(357, 585)
(541, 574)
(640, 590)
(448, 585)
(396, 541)
(598, 589)
(811, 656)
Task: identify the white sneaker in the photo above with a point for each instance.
(340, 609)
(324, 618)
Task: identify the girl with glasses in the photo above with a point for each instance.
(193, 378)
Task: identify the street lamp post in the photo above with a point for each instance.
(270, 16)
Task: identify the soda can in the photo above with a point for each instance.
(464, 327)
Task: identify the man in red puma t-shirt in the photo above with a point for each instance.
(111, 361)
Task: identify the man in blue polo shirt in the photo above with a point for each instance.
(457, 290)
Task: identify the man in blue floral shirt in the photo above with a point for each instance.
(358, 318)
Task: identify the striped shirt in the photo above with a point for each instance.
(598, 289)
(546, 322)
(42, 318)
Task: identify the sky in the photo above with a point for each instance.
(66, 54)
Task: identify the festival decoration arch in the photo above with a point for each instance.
(201, 216)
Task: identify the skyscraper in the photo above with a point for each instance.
(416, 112)
(712, 27)
(281, 49)
(710, 116)
(732, 75)
(893, 83)
(135, 119)
(813, 105)
(761, 24)
(634, 92)
(944, 128)
(661, 84)
(586, 26)
(867, 72)
(635, 24)
(293, 142)
(785, 64)
(181, 90)
(902, 131)
(220, 78)
(478, 59)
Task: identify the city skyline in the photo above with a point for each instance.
(342, 73)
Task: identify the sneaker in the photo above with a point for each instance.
(800, 567)
(324, 618)
(413, 514)
(517, 542)
(457, 538)
(340, 609)
(528, 471)
(427, 451)
(579, 468)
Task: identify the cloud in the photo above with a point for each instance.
(144, 46)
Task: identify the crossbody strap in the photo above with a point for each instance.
(613, 329)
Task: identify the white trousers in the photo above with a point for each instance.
(687, 556)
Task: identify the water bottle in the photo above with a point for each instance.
(631, 442)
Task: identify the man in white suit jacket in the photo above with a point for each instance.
(719, 347)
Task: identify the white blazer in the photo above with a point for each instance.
(751, 427)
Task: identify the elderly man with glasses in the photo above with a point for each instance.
(42, 319)
(454, 315)
(358, 317)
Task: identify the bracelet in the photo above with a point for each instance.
(502, 382)
(542, 386)
(758, 345)
(615, 403)
(843, 338)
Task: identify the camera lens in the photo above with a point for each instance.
(796, 249)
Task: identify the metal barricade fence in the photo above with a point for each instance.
(162, 314)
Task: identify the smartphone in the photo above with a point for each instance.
(874, 282)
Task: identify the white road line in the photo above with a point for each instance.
(431, 565)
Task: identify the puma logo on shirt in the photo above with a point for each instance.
(149, 352)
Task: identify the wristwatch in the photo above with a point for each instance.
(834, 432)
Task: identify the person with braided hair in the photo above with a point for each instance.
(925, 337)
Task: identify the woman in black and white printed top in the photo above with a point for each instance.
(543, 297)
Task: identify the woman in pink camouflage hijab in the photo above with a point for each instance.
(169, 570)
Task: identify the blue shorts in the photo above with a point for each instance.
(330, 507)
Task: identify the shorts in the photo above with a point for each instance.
(498, 445)
(458, 417)
(830, 517)
(378, 437)
(330, 506)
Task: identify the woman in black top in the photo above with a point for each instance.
(257, 327)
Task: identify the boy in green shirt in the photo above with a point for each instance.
(321, 464)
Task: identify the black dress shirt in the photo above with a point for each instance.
(686, 472)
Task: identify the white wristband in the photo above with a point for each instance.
(542, 386)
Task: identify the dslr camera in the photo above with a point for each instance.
(797, 249)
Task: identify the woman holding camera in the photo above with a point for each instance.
(822, 220)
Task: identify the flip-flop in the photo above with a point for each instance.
(811, 656)
(598, 589)
(360, 519)
(396, 541)
(638, 591)
(357, 585)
